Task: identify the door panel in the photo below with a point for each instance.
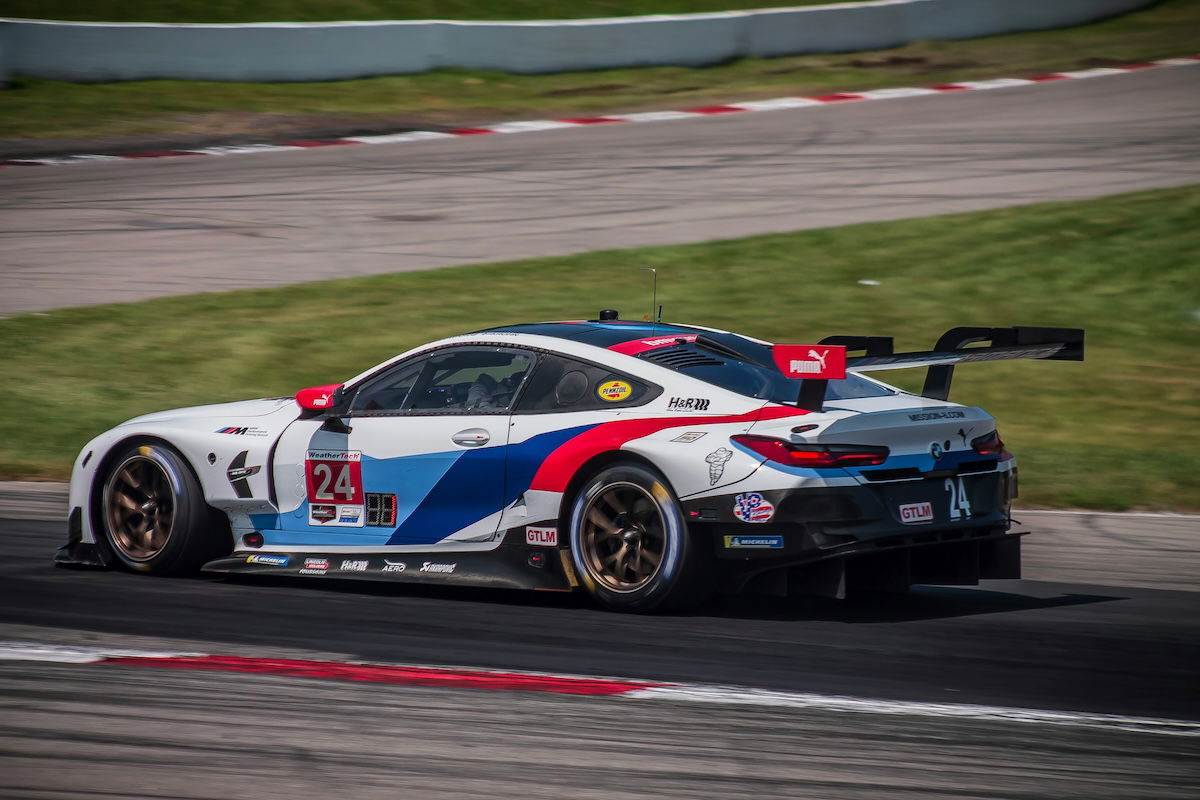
(443, 487)
(422, 459)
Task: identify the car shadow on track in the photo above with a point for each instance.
(920, 603)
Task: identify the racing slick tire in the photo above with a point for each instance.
(630, 543)
(153, 513)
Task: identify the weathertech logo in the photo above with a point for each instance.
(334, 455)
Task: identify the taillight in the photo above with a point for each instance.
(990, 444)
(813, 455)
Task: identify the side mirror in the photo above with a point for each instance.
(319, 398)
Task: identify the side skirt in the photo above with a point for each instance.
(510, 566)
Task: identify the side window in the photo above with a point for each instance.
(470, 379)
(389, 391)
(456, 379)
(563, 384)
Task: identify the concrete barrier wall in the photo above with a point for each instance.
(340, 50)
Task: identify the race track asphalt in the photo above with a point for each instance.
(1106, 621)
(114, 232)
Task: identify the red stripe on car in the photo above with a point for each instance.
(562, 464)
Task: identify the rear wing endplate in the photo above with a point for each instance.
(1054, 344)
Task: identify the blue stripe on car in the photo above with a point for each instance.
(439, 513)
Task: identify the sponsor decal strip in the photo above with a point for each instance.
(525, 126)
(446, 677)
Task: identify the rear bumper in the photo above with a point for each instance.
(833, 538)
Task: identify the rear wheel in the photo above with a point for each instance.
(153, 512)
(630, 543)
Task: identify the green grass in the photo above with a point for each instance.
(37, 109)
(324, 10)
(1120, 430)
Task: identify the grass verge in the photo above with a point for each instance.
(38, 110)
(327, 10)
(1121, 430)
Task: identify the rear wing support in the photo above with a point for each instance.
(812, 390)
(1054, 344)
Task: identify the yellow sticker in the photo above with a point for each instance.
(614, 391)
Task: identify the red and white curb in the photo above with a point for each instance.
(774, 104)
(499, 680)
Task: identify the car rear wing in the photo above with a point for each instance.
(1054, 344)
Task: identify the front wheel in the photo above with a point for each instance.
(153, 510)
(630, 543)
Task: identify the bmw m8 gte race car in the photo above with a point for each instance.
(648, 464)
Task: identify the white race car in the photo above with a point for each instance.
(649, 464)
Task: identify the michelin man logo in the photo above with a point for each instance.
(716, 464)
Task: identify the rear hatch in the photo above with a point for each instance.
(922, 435)
(932, 476)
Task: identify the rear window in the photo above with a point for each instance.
(564, 384)
(746, 377)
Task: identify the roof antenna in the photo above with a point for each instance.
(653, 298)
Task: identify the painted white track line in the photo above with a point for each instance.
(483, 679)
(525, 126)
(862, 705)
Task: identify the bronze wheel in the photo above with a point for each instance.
(153, 512)
(139, 508)
(630, 543)
(624, 537)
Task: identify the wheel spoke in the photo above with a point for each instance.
(616, 558)
(127, 476)
(132, 486)
(624, 536)
(652, 557)
(598, 518)
(140, 507)
(126, 502)
(613, 499)
(155, 538)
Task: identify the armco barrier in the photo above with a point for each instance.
(338, 50)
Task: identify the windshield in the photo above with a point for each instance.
(720, 364)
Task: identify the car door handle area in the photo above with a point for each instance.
(472, 437)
